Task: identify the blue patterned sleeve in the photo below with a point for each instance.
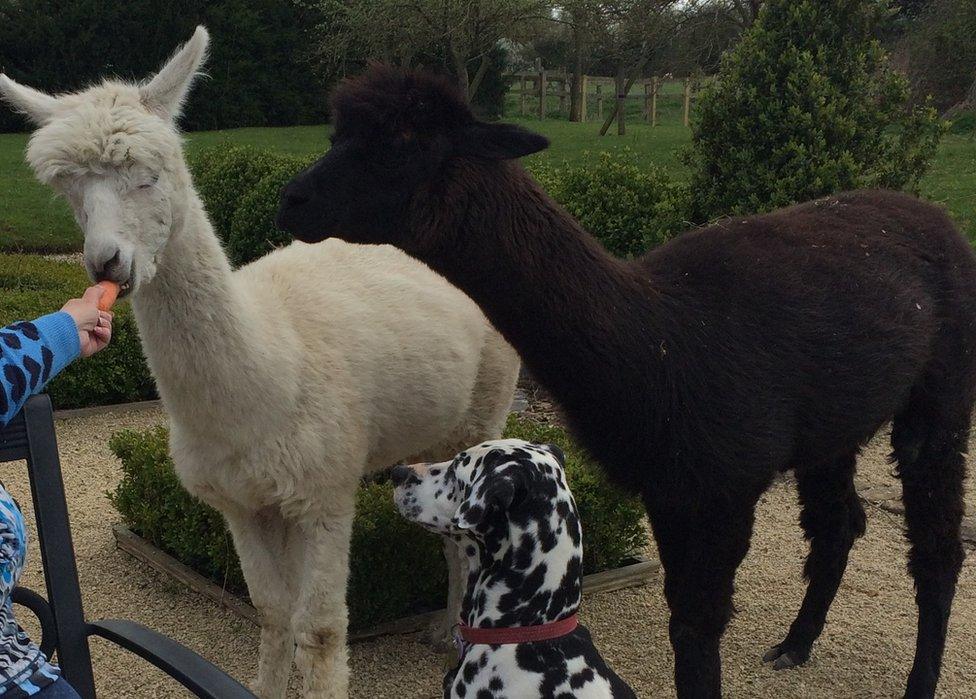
(31, 354)
(12, 547)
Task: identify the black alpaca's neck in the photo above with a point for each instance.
(568, 307)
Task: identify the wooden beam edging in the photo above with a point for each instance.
(138, 406)
(633, 575)
(136, 546)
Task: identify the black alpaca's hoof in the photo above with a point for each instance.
(921, 685)
(784, 657)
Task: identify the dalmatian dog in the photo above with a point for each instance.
(507, 504)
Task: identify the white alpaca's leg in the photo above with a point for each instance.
(442, 629)
(265, 545)
(320, 617)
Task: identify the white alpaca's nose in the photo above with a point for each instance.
(106, 264)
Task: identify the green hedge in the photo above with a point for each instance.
(240, 187)
(397, 568)
(629, 208)
(32, 286)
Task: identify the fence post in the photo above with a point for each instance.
(522, 94)
(654, 101)
(687, 101)
(599, 101)
(582, 98)
(562, 93)
(646, 110)
(621, 84)
(542, 94)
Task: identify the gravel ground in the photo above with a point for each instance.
(865, 651)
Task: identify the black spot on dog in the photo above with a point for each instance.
(580, 678)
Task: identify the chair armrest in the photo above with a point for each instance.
(42, 610)
(179, 662)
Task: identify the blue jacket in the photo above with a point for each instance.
(31, 353)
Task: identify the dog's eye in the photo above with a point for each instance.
(150, 183)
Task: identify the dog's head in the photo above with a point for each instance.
(490, 488)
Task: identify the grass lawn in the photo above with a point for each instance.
(31, 219)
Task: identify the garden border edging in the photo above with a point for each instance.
(633, 575)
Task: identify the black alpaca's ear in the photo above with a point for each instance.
(498, 141)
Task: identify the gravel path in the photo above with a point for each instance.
(865, 651)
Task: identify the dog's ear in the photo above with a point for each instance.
(556, 451)
(494, 490)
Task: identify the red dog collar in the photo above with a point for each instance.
(518, 634)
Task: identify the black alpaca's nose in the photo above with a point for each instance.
(293, 195)
(295, 199)
(400, 474)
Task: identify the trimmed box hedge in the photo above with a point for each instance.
(397, 568)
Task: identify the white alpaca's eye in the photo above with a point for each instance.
(147, 185)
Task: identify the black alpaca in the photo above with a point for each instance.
(697, 372)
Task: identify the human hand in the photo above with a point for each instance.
(94, 326)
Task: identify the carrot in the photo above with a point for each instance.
(108, 298)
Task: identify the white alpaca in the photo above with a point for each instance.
(286, 380)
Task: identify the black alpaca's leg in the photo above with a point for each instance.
(832, 518)
(931, 464)
(700, 556)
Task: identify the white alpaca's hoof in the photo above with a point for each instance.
(440, 635)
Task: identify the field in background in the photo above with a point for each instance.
(31, 219)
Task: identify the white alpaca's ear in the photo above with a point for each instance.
(34, 104)
(165, 93)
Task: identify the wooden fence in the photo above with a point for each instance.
(535, 89)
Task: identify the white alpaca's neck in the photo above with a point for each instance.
(201, 335)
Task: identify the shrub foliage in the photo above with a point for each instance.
(397, 568)
(805, 105)
(240, 187)
(629, 208)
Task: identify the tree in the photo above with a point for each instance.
(254, 78)
(459, 35)
(803, 106)
(939, 50)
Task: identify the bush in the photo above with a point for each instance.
(253, 232)
(805, 105)
(396, 567)
(627, 207)
(239, 186)
(963, 123)
(32, 286)
(222, 174)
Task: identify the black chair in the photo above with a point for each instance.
(64, 630)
